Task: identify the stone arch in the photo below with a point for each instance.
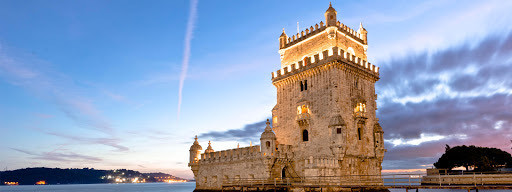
(351, 51)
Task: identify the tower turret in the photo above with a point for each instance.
(209, 149)
(268, 140)
(330, 16)
(195, 151)
(363, 33)
(283, 40)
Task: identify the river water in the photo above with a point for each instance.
(126, 187)
(149, 187)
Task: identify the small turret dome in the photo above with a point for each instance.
(196, 146)
(283, 34)
(268, 133)
(330, 9)
(209, 149)
(361, 28)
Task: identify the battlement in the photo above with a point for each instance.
(311, 31)
(231, 155)
(326, 56)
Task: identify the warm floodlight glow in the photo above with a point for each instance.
(361, 107)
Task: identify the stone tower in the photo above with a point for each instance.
(268, 140)
(324, 122)
(326, 101)
(195, 155)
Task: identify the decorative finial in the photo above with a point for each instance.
(268, 122)
(330, 4)
(238, 145)
(250, 143)
(283, 29)
(196, 138)
(209, 143)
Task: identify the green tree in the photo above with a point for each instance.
(481, 158)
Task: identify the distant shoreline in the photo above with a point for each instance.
(68, 184)
(58, 176)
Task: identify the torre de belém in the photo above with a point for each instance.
(324, 122)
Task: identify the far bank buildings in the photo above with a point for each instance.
(324, 122)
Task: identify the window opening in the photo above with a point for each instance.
(301, 86)
(305, 84)
(338, 130)
(305, 136)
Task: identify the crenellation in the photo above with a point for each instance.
(303, 35)
(231, 155)
(329, 55)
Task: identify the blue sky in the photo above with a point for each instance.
(96, 83)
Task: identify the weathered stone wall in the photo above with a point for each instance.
(240, 163)
(331, 91)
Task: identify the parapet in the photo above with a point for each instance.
(324, 57)
(231, 155)
(294, 39)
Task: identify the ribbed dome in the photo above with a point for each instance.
(283, 34)
(337, 120)
(268, 133)
(196, 146)
(209, 149)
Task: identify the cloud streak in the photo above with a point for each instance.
(59, 156)
(23, 72)
(111, 142)
(462, 93)
(250, 132)
(186, 50)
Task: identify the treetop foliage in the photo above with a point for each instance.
(480, 158)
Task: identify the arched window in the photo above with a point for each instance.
(359, 133)
(351, 51)
(301, 86)
(305, 84)
(268, 144)
(283, 173)
(305, 136)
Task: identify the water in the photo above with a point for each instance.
(152, 187)
(126, 187)
(447, 190)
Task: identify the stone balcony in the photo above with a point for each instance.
(360, 114)
(303, 119)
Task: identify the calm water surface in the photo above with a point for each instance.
(127, 187)
(150, 187)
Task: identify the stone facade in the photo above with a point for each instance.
(324, 122)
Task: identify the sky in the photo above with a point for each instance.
(128, 84)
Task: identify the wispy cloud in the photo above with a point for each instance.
(250, 132)
(111, 142)
(186, 50)
(26, 72)
(461, 93)
(59, 156)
